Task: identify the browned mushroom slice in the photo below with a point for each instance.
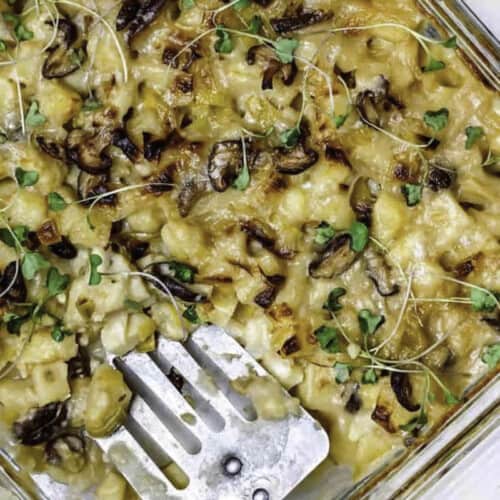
(337, 258)
(88, 150)
(224, 164)
(382, 416)
(90, 186)
(299, 21)
(62, 60)
(337, 154)
(379, 272)
(48, 234)
(440, 178)
(351, 396)
(189, 194)
(266, 298)
(400, 383)
(122, 140)
(17, 288)
(52, 148)
(266, 57)
(175, 287)
(153, 148)
(182, 61)
(160, 183)
(79, 365)
(143, 17)
(295, 160)
(291, 346)
(362, 200)
(41, 424)
(349, 77)
(64, 249)
(127, 12)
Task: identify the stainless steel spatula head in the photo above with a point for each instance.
(185, 411)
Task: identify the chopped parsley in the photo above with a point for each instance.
(359, 236)
(332, 303)
(482, 300)
(437, 120)
(412, 193)
(94, 276)
(369, 376)
(32, 263)
(285, 49)
(182, 272)
(324, 233)
(59, 332)
(290, 137)
(451, 43)
(192, 315)
(22, 33)
(342, 372)
(56, 202)
(473, 135)
(450, 398)
(328, 338)
(224, 43)
(339, 120)
(255, 25)
(433, 65)
(26, 178)
(369, 323)
(20, 232)
(33, 117)
(56, 282)
(415, 424)
(491, 355)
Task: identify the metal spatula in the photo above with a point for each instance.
(181, 414)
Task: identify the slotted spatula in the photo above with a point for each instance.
(184, 410)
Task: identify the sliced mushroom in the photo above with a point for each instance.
(439, 178)
(382, 416)
(52, 148)
(175, 287)
(189, 194)
(290, 346)
(400, 383)
(62, 60)
(349, 77)
(41, 424)
(267, 237)
(362, 200)
(143, 17)
(153, 148)
(351, 396)
(379, 272)
(122, 140)
(127, 12)
(88, 150)
(160, 183)
(299, 21)
(334, 153)
(266, 298)
(79, 365)
(64, 249)
(48, 233)
(224, 164)
(94, 185)
(337, 258)
(66, 451)
(293, 161)
(182, 61)
(266, 56)
(373, 105)
(17, 288)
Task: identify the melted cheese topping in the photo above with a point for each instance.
(177, 99)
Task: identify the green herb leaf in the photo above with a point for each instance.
(451, 43)
(328, 338)
(95, 276)
(20, 232)
(224, 44)
(437, 120)
(243, 180)
(32, 263)
(412, 193)
(369, 322)
(473, 135)
(56, 282)
(13, 322)
(285, 49)
(369, 376)
(192, 315)
(182, 272)
(491, 355)
(359, 236)
(324, 233)
(26, 178)
(332, 303)
(482, 300)
(289, 138)
(77, 56)
(339, 120)
(23, 34)
(33, 117)
(56, 202)
(450, 398)
(342, 372)
(132, 305)
(241, 4)
(91, 104)
(255, 25)
(3, 46)
(187, 4)
(59, 332)
(433, 65)
(415, 424)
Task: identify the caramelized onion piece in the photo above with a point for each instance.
(299, 21)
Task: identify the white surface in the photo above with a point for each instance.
(489, 12)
